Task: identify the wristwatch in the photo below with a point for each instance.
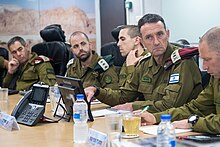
(192, 120)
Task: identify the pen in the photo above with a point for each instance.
(145, 109)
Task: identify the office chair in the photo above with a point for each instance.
(54, 47)
(182, 43)
(111, 48)
(53, 32)
(57, 52)
(4, 53)
(115, 32)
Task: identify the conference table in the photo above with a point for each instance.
(50, 134)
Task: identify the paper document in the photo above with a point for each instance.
(152, 129)
(103, 112)
(95, 102)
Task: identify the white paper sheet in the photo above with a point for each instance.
(95, 102)
(152, 129)
(103, 112)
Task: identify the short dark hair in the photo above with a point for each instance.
(150, 18)
(133, 30)
(79, 32)
(14, 39)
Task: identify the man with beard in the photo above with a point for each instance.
(26, 68)
(91, 68)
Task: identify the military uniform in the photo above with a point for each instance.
(93, 74)
(1, 62)
(162, 89)
(126, 71)
(207, 106)
(37, 68)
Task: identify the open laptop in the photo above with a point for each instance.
(69, 88)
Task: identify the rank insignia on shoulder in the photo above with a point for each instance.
(69, 62)
(146, 56)
(40, 59)
(175, 56)
(174, 78)
(103, 64)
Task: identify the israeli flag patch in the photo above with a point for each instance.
(174, 78)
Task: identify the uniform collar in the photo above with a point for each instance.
(95, 58)
(144, 52)
(167, 54)
(30, 61)
(93, 63)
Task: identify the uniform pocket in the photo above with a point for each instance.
(145, 88)
(172, 90)
(161, 89)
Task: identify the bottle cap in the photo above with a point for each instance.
(79, 96)
(165, 117)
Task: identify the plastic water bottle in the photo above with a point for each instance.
(56, 97)
(166, 132)
(80, 117)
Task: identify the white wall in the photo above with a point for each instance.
(190, 19)
(141, 7)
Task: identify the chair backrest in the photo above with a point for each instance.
(111, 48)
(53, 32)
(4, 53)
(58, 53)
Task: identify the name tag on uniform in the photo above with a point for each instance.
(174, 78)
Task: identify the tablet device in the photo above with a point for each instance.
(69, 88)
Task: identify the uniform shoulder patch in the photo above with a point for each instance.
(108, 79)
(40, 59)
(104, 65)
(174, 78)
(146, 56)
(70, 62)
(175, 56)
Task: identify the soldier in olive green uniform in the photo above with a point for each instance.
(162, 88)
(203, 113)
(26, 69)
(89, 66)
(129, 43)
(127, 71)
